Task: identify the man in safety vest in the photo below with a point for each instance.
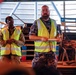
(12, 39)
(44, 33)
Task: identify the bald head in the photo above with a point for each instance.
(45, 6)
(45, 12)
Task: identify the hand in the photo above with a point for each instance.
(44, 39)
(2, 42)
(59, 39)
(10, 41)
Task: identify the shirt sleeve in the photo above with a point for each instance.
(2, 42)
(59, 29)
(33, 29)
(1, 36)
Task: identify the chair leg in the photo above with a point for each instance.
(65, 54)
(61, 56)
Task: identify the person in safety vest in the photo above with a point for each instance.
(12, 39)
(45, 35)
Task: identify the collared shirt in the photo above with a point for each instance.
(34, 28)
(19, 42)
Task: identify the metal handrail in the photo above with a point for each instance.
(19, 18)
(15, 8)
(13, 11)
(70, 18)
(56, 9)
(64, 19)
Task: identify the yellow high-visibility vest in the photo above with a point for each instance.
(41, 46)
(11, 48)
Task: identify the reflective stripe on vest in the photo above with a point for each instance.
(3, 48)
(42, 31)
(45, 47)
(13, 48)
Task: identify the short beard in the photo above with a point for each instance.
(45, 17)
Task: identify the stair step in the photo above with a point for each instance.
(27, 50)
(30, 47)
(29, 44)
(32, 55)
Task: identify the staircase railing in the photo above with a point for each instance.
(15, 8)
